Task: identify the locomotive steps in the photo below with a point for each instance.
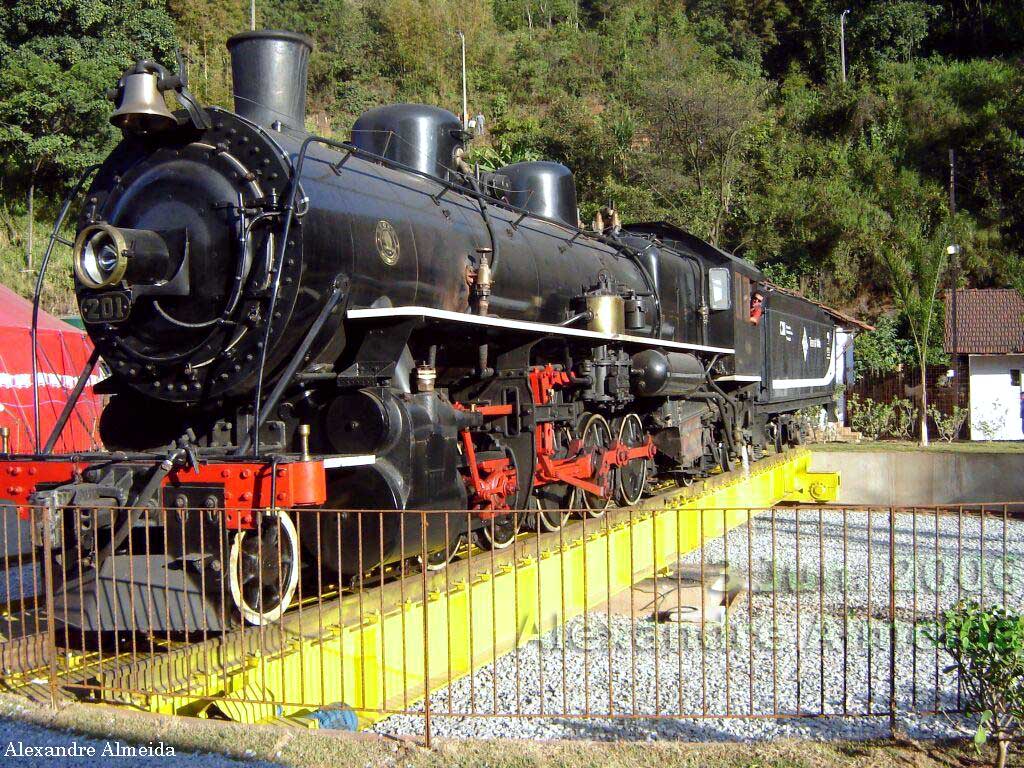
(373, 651)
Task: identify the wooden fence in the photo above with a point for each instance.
(943, 393)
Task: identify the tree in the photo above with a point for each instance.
(58, 61)
(699, 122)
(41, 121)
(917, 264)
(203, 29)
(883, 349)
(891, 31)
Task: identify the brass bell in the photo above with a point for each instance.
(141, 107)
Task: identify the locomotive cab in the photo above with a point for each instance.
(715, 295)
(731, 284)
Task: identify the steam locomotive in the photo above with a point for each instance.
(295, 322)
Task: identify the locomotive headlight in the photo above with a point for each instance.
(105, 255)
(100, 256)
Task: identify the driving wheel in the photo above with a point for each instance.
(264, 568)
(440, 559)
(550, 505)
(596, 437)
(632, 476)
(500, 531)
(497, 533)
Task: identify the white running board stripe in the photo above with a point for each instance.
(523, 325)
(360, 460)
(828, 378)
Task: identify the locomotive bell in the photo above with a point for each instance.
(141, 108)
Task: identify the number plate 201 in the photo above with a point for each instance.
(110, 307)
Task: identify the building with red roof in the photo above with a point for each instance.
(985, 336)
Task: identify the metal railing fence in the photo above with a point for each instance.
(645, 616)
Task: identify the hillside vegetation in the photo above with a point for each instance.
(727, 117)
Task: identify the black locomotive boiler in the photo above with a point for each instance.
(292, 321)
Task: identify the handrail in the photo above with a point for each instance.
(54, 238)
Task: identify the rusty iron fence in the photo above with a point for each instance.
(652, 617)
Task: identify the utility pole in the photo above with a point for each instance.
(955, 254)
(842, 42)
(465, 100)
(252, 15)
(952, 183)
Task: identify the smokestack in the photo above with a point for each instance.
(268, 73)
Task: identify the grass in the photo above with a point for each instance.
(58, 291)
(966, 446)
(311, 748)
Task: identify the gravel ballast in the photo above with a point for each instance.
(831, 654)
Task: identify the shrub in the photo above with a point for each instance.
(990, 427)
(987, 648)
(948, 426)
(875, 419)
(904, 418)
(869, 417)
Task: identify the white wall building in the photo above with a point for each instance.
(985, 337)
(845, 372)
(995, 397)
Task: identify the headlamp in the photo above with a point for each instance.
(105, 255)
(100, 256)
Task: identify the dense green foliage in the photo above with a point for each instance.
(57, 60)
(728, 118)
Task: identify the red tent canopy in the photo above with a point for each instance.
(63, 352)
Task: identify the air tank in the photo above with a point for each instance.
(660, 374)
